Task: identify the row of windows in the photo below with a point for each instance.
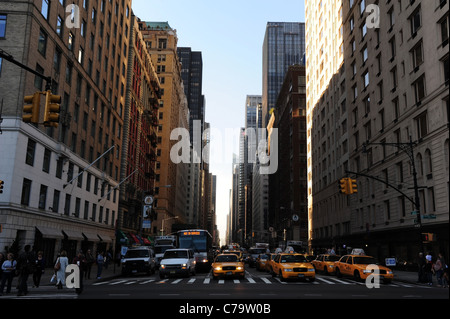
(90, 212)
(105, 188)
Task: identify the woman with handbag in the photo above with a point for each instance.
(60, 268)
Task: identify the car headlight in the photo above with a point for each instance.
(366, 271)
(288, 269)
(390, 272)
(218, 268)
(331, 266)
(311, 269)
(239, 268)
(163, 266)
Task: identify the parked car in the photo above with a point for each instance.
(177, 262)
(139, 259)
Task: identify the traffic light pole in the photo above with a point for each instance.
(408, 148)
(10, 58)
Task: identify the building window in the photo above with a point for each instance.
(1, 66)
(31, 149)
(444, 31)
(45, 8)
(419, 88)
(47, 157)
(2, 25)
(42, 44)
(422, 125)
(416, 22)
(444, 63)
(417, 55)
(56, 195)
(26, 191)
(42, 196)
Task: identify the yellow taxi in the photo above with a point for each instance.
(268, 265)
(292, 266)
(357, 266)
(228, 265)
(235, 252)
(326, 263)
(261, 261)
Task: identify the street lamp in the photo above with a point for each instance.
(162, 227)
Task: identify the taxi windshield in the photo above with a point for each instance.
(293, 259)
(364, 260)
(226, 258)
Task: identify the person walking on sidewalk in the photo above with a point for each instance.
(439, 267)
(60, 268)
(100, 263)
(429, 269)
(25, 266)
(8, 269)
(89, 262)
(80, 260)
(40, 266)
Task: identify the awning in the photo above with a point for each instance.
(50, 232)
(146, 241)
(90, 236)
(73, 235)
(136, 240)
(121, 237)
(105, 238)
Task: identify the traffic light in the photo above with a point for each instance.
(353, 186)
(31, 108)
(343, 186)
(52, 109)
(1, 186)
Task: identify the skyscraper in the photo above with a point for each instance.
(284, 45)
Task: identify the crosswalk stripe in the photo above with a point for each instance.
(191, 281)
(221, 281)
(267, 281)
(326, 281)
(250, 280)
(176, 281)
(117, 282)
(146, 282)
(342, 282)
(206, 281)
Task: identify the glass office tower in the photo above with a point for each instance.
(284, 45)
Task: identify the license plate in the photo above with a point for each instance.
(172, 271)
(134, 271)
(301, 275)
(229, 273)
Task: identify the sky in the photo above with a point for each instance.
(230, 35)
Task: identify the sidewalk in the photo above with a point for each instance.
(112, 271)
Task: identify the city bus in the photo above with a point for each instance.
(200, 241)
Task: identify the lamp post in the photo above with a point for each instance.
(162, 227)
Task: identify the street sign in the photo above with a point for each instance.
(390, 262)
(146, 224)
(414, 212)
(430, 216)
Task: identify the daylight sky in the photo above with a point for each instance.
(230, 35)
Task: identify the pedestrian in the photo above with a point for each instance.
(89, 262)
(2, 260)
(25, 267)
(429, 269)
(80, 260)
(8, 270)
(60, 267)
(40, 267)
(421, 262)
(439, 267)
(100, 262)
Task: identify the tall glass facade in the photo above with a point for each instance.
(284, 45)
